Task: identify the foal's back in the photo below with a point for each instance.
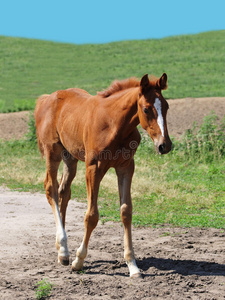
(62, 115)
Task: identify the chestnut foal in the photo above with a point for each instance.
(100, 130)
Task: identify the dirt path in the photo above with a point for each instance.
(14, 125)
(177, 263)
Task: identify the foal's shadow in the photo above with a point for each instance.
(183, 267)
(106, 267)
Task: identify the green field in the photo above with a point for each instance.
(29, 68)
(184, 188)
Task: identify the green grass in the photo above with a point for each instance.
(183, 188)
(29, 68)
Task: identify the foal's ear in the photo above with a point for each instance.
(162, 83)
(144, 83)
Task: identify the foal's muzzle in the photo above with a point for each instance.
(164, 146)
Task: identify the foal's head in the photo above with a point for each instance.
(152, 110)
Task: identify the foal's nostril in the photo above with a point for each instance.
(162, 147)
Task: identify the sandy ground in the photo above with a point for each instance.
(177, 263)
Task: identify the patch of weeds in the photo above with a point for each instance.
(81, 272)
(165, 234)
(43, 290)
(206, 144)
(31, 135)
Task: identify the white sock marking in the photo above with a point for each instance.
(79, 260)
(82, 251)
(133, 267)
(158, 108)
(61, 237)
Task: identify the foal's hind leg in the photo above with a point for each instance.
(124, 183)
(53, 159)
(69, 172)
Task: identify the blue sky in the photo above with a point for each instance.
(102, 21)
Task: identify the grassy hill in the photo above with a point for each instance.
(29, 68)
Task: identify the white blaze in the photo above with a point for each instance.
(158, 108)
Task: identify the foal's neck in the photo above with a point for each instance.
(128, 106)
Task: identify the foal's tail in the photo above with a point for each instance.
(37, 116)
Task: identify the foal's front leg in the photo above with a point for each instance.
(93, 178)
(124, 183)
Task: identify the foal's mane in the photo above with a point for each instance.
(120, 85)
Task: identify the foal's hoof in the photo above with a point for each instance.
(77, 264)
(63, 260)
(137, 275)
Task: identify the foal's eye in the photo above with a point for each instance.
(146, 111)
